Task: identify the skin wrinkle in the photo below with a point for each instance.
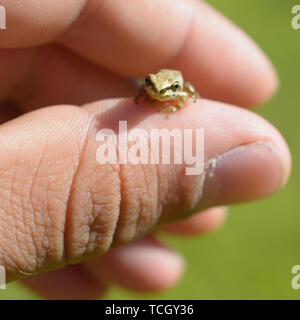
(68, 211)
(121, 201)
(54, 228)
(119, 209)
(150, 218)
(181, 198)
(168, 194)
(31, 246)
(157, 183)
(138, 208)
(8, 261)
(159, 206)
(96, 227)
(35, 224)
(124, 213)
(139, 201)
(13, 193)
(142, 218)
(155, 202)
(93, 231)
(104, 226)
(164, 187)
(200, 188)
(91, 224)
(52, 253)
(20, 208)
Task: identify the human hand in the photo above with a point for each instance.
(58, 205)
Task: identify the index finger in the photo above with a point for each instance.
(221, 61)
(137, 37)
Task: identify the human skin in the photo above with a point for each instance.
(61, 60)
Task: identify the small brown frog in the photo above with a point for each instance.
(167, 90)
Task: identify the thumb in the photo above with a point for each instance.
(59, 205)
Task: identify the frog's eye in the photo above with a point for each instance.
(176, 86)
(147, 80)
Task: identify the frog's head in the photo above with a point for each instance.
(164, 85)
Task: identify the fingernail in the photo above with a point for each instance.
(244, 173)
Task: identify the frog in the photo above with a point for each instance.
(167, 90)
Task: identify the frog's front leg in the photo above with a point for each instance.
(142, 94)
(171, 109)
(182, 98)
(191, 92)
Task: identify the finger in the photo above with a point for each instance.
(219, 59)
(255, 148)
(53, 75)
(59, 205)
(126, 266)
(214, 55)
(143, 265)
(69, 283)
(32, 23)
(198, 224)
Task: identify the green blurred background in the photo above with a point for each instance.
(252, 255)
